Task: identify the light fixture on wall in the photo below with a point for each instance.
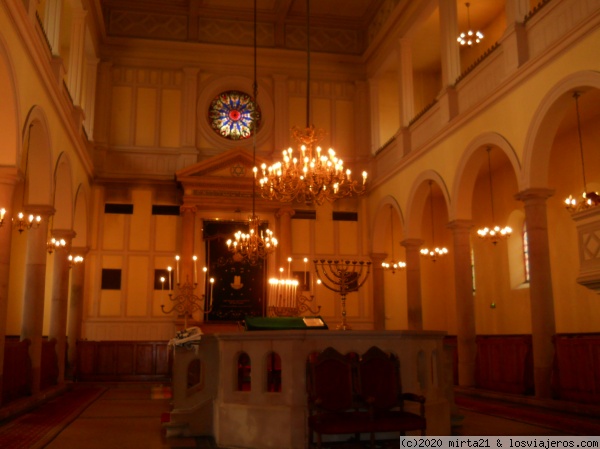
(437, 251)
(256, 244)
(495, 232)
(589, 199)
(311, 175)
(74, 260)
(469, 37)
(392, 265)
(2, 213)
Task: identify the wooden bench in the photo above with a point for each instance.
(352, 394)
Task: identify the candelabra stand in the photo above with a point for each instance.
(186, 302)
(303, 304)
(342, 277)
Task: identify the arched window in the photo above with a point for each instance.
(525, 253)
(244, 371)
(273, 372)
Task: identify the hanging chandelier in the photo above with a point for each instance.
(309, 175)
(23, 221)
(589, 199)
(437, 251)
(495, 232)
(256, 244)
(393, 265)
(469, 37)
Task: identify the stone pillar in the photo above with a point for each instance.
(465, 302)
(34, 291)
(378, 291)
(52, 16)
(103, 104)
(60, 297)
(514, 39)
(188, 107)
(284, 215)
(405, 82)
(374, 114)
(188, 225)
(88, 100)
(76, 56)
(8, 181)
(75, 314)
(450, 49)
(413, 283)
(540, 290)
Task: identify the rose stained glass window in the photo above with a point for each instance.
(234, 115)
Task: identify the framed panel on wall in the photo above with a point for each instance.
(239, 288)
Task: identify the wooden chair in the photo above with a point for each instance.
(332, 404)
(381, 388)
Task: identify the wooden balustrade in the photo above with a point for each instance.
(123, 361)
(504, 363)
(577, 367)
(16, 382)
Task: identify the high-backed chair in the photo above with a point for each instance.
(381, 388)
(332, 404)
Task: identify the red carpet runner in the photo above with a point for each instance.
(568, 423)
(38, 427)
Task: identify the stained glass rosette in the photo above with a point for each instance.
(234, 115)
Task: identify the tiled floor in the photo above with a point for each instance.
(127, 417)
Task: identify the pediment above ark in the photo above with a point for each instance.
(235, 163)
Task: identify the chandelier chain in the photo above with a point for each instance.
(489, 149)
(576, 95)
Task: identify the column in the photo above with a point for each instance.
(88, 100)
(34, 291)
(60, 296)
(374, 115)
(378, 291)
(450, 49)
(52, 16)
(75, 313)
(8, 181)
(76, 54)
(103, 105)
(540, 290)
(514, 39)
(188, 107)
(465, 301)
(413, 283)
(284, 238)
(405, 82)
(188, 225)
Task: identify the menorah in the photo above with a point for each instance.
(342, 277)
(300, 306)
(186, 302)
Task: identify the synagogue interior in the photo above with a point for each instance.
(218, 195)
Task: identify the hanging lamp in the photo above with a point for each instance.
(437, 251)
(392, 265)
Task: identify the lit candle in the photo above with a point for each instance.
(2, 212)
(194, 258)
(281, 273)
(212, 281)
(305, 262)
(205, 270)
(177, 269)
(169, 269)
(162, 283)
(289, 266)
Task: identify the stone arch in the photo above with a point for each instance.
(380, 222)
(542, 130)
(80, 218)
(63, 194)
(468, 169)
(36, 160)
(10, 137)
(417, 199)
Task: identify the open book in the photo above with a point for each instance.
(313, 322)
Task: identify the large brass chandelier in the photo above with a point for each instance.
(309, 175)
(256, 244)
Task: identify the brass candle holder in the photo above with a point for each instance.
(186, 302)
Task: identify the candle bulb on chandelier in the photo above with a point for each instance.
(194, 258)
(177, 269)
(305, 262)
(289, 266)
(281, 273)
(205, 270)
(169, 269)
(212, 282)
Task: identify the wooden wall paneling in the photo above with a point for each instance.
(16, 381)
(577, 367)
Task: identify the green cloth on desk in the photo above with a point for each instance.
(253, 323)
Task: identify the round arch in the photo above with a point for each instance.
(468, 169)
(417, 199)
(547, 117)
(80, 218)
(36, 159)
(63, 194)
(380, 223)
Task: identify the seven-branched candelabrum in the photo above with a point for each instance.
(186, 302)
(342, 276)
(309, 176)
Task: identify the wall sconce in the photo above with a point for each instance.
(393, 265)
(74, 260)
(436, 252)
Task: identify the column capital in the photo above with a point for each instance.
(534, 195)
(39, 209)
(460, 225)
(9, 175)
(286, 210)
(412, 243)
(67, 234)
(187, 209)
(377, 258)
(80, 250)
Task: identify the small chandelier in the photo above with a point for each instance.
(393, 265)
(74, 260)
(310, 175)
(494, 233)
(22, 223)
(54, 244)
(436, 252)
(590, 199)
(469, 37)
(256, 244)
